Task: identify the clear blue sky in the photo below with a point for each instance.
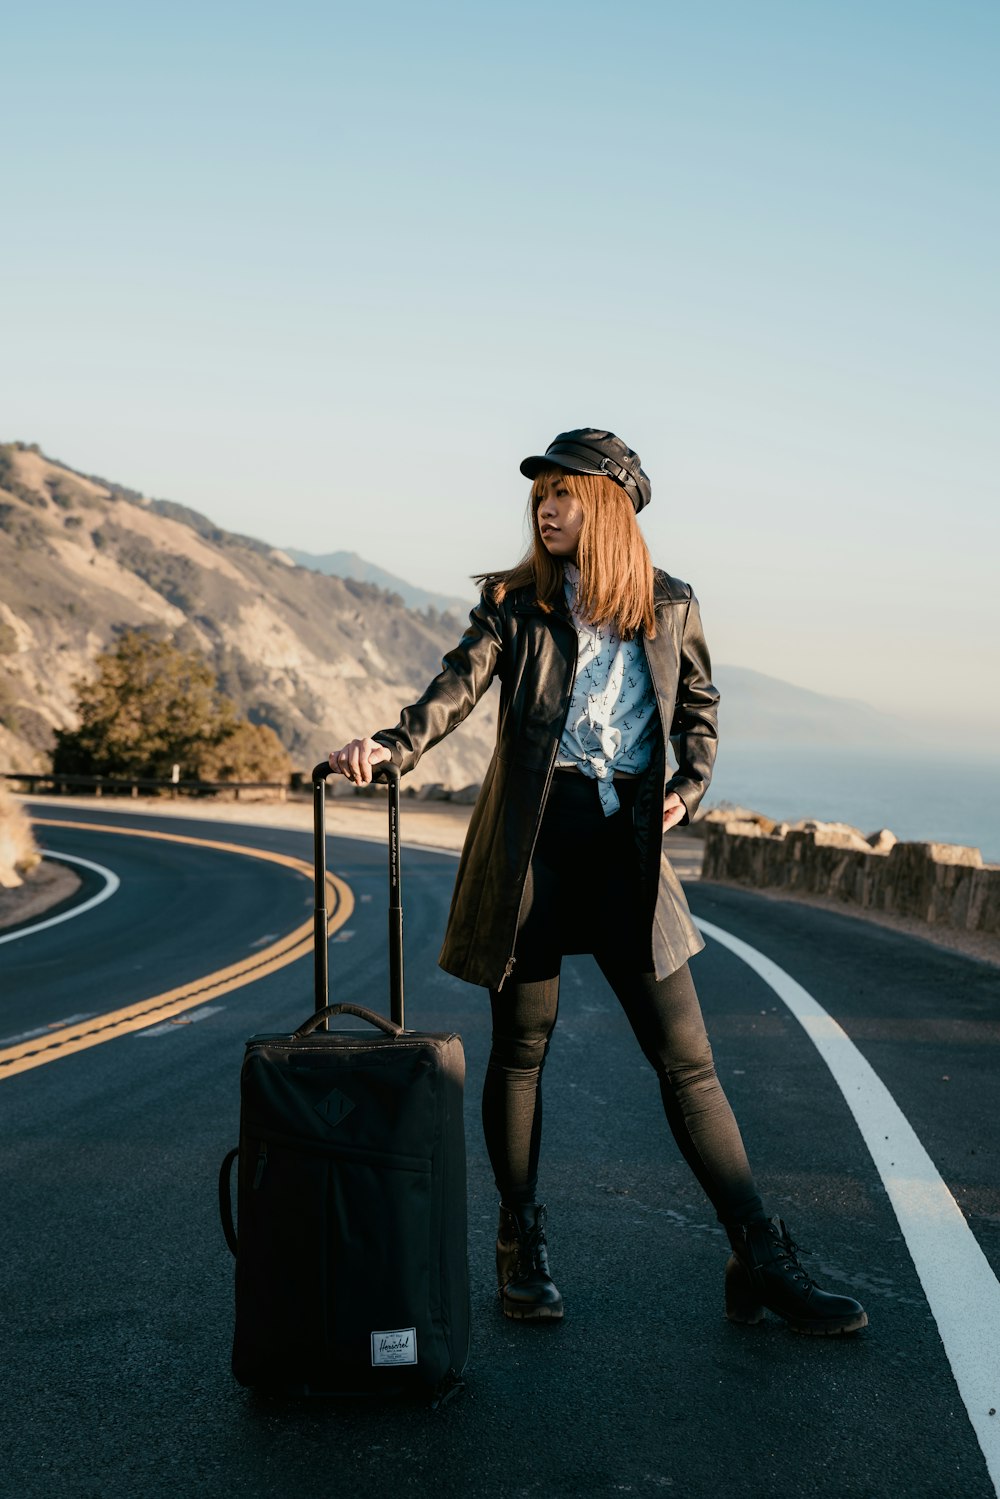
(327, 272)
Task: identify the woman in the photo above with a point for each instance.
(601, 659)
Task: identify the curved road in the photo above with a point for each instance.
(117, 1284)
(182, 910)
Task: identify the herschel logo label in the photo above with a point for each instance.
(335, 1107)
(397, 1347)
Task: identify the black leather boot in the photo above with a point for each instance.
(764, 1271)
(524, 1285)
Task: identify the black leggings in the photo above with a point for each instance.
(581, 857)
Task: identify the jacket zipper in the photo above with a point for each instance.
(545, 796)
(659, 714)
(666, 763)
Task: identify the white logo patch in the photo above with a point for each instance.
(396, 1347)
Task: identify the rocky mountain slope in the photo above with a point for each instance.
(318, 658)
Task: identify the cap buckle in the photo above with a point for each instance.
(616, 471)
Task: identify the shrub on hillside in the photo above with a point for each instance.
(27, 532)
(251, 752)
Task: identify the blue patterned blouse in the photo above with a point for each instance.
(612, 719)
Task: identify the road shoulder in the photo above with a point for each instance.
(979, 945)
(48, 884)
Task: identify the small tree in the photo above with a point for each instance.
(251, 752)
(150, 707)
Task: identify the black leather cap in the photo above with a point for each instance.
(589, 451)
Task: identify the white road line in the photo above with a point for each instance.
(112, 883)
(334, 840)
(171, 1027)
(962, 1290)
(41, 1030)
(424, 848)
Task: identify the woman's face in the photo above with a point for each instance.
(559, 518)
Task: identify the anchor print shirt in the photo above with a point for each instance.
(612, 719)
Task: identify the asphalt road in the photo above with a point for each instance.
(117, 1285)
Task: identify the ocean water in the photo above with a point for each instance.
(920, 797)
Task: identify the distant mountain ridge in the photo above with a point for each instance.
(320, 657)
(350, 565)
(758, 709)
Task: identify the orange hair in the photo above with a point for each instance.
(616, 572)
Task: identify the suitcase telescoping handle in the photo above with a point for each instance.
(387, 771)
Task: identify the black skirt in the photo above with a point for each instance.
(583, 891)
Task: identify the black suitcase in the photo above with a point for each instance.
(351, 1239)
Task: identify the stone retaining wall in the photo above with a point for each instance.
(945, 884)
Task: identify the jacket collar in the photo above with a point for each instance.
(668, 590)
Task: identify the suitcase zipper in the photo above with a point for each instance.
(391, 1159)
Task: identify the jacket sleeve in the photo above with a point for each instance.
(694, 733)
(466, 673)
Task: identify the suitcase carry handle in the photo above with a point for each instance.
(226, 1200)
(388, 771)
(319, 1019)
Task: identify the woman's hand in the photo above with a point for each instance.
(673, 810)
(356, 759)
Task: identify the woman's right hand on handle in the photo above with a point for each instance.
(355, 760)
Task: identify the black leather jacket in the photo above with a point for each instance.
(534, 655)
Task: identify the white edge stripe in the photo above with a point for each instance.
(112, 883)
(421, 848)
(960, 1287)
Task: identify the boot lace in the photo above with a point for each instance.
(788, 1259)
(529, 1246)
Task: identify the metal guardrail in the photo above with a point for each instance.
(60, 784)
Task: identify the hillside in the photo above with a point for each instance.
(317, 658)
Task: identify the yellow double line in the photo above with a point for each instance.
(54, 1044)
